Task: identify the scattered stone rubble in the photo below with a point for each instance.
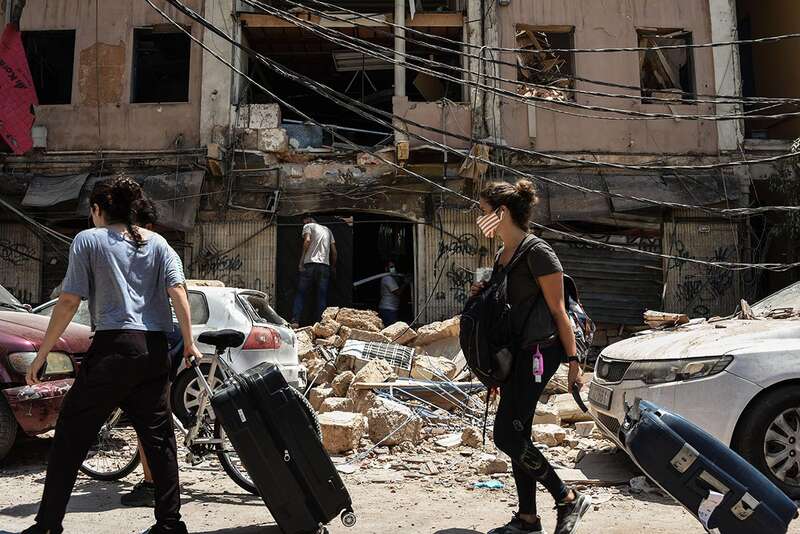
(382, 437)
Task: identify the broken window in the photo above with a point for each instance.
(666, 73)
(160, 66)
(543, 65)
(51, 55)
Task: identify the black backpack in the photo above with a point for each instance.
(487, 338)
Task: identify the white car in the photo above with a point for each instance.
(737, 379)
(268, 337)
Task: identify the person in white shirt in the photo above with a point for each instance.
(389, 306)
(317, 262)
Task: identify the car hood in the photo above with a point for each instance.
(703, 340)
(25, 331)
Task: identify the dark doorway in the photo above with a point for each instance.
(376, 240)
(51, 55)
(288, 251)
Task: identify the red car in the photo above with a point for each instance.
(33, 409)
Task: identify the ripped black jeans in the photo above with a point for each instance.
(514, 422)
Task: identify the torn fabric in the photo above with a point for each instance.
(46, 191)
(19, 94)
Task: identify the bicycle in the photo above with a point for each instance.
(115, 454)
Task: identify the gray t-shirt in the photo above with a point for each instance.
(126, 286)
(319, 250)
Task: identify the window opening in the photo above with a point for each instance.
(666, 73)
(541, 65)
(160, 66)
(198, 307)
(51, 58)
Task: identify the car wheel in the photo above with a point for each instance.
(8, 428)
(185, 394)
(769, 438)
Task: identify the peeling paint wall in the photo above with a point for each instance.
(122, 124)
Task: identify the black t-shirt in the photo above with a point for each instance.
(540, 260)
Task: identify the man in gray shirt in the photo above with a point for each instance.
(317, 260)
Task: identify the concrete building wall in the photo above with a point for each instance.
(109, 37)
(612, 23)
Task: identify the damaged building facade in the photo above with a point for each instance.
(233, 167)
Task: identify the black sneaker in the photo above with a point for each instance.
(174, 528)
(570, 513)
(142, 495)
(38, 529)
(519, 526)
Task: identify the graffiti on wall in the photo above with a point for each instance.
(15, 253)
(701, 288)
(458, 278)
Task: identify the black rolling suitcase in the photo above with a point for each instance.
(277, 438)
(719, 487)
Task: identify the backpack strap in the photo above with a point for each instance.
(522, 250)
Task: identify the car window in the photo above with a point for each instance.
(82, 315)
(788, 297)
(261, 310)
(198, 307)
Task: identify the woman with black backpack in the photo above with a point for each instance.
(535, 280)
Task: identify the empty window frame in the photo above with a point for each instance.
(666, 73)
(160, 66)
(51, 58)
(542, 71)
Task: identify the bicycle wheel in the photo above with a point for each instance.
(115, 453)
(230, 461)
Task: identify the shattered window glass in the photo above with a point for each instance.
(543, 70)
(666, 73)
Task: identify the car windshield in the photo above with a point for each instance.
(259, 307)
(7, 300)
(787, 298)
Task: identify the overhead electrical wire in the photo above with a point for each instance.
(717, 99)
(200, 19)
(723, 99)
(368, 49)
(349, 103)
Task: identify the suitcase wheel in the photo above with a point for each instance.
(349, 519)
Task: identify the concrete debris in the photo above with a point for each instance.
(568, 409)
(393, 422)
(333, 342)
(318, 395)
(341, 431)
(329, 314)
(337, 404)
(319, 371)
(657, 319)
(326, 329)
(558, 384)
(472, 437)
(584, 429)
(400, 333)
(368, 336)
(439, 330)
(363, 399)
(432, 368)
(260, 116)
(375, 371)
(305, 344)
(450, 442)
(547, 414)
(550, 435)
(358, 319)
(492, 465)
(273, 140)
(341, 384)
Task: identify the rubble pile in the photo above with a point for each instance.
(389, 417)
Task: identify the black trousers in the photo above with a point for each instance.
(513, 425)
(127, 369)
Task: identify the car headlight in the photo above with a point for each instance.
(661, 372)
(58, 363)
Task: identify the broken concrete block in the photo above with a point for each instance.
(375, 372)
(492, 465)
(273, 140)
(568, 409)
(546, 414)
(450, 442)
(363, 399)
(329, 314)
(333, 341)
(318, 395)
(326, 329)
(550, 435)
(360, 319)
(341, 431)
(319, 371)
(264, 116)
(337, 404)
(344, 333)
(432, 368)
(400, 333)
(248, 139)
(393, 422)
(472, 437)
(305, 345)
(367, 336)
(341, 384)
(438, 330)
(584, 429)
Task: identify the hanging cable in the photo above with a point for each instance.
(777, 267)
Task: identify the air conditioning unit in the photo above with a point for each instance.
(39, 134)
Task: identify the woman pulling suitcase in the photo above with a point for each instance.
(507, 210)
(128, 274)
